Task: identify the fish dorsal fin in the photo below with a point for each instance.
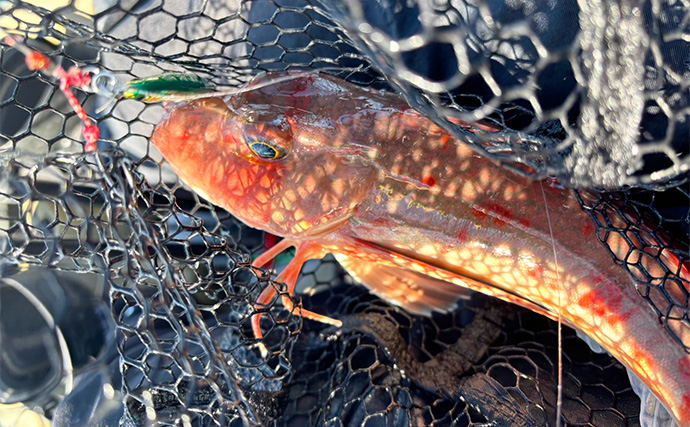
(415, 292)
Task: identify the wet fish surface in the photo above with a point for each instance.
(413, 213)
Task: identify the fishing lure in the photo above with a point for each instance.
(166, 87)
(412, 213)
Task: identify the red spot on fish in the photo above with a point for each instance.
(479, 214)
(463, 235)
(601, 305)
(598, 308)
(684, 365)
(599, 279)
(615, 305)
(501, 210)
(588, 229)
(524, 222)
(535, 270)
(502, 215)
(594, 302)
(299, 91)
(586, 299)
(685, 407)
(498, 222)
(429, 180)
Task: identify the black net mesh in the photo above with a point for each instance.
(592, 92)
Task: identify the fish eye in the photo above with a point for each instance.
(266, 150)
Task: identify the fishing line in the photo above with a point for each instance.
(559, 399)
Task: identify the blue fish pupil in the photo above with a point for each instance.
(264, 150)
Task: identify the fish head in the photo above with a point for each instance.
(248, 160)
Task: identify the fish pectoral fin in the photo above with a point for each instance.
(416, 292)
(428, 267)
(304, 251)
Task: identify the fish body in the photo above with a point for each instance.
(413, 213)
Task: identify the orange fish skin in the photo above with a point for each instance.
(372, 181)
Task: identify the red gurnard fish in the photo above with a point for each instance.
(412, 213)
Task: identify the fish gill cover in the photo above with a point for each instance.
(126, 298)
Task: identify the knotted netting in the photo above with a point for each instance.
(138, 294)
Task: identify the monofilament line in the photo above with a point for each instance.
(559, 399)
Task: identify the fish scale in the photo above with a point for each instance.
(414, 214)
